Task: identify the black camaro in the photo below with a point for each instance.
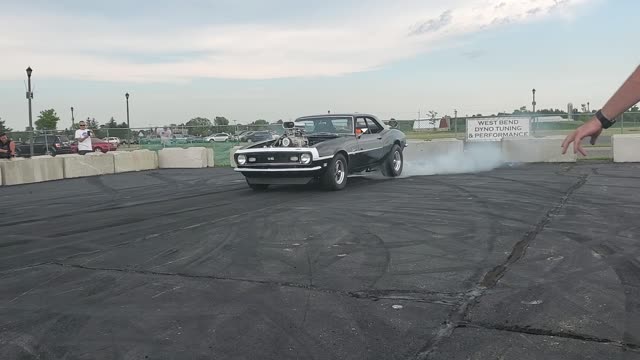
(327, 148)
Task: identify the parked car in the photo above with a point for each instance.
(258, 136)
(242, 137)
(113, 140)
(45, 145)
(220, 137)
(98, 145)
(180, 139)
(327, 148)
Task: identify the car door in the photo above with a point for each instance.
(39, 146)
(365, 154)
(377, 150)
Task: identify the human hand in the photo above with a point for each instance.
(591, 128)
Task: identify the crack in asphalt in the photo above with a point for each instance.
(544, 332)
(520, 248)
(447, 299)
(491, 278)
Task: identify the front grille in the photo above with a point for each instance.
(274, 159)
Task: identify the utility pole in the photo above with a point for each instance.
(72, 119)
(30, 96)
(455, 122)
(535, 122)
(128, 125)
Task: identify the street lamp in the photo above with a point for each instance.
(535, 122)
(534, 100)
(30, 96)
(128, 126)
(455, 122)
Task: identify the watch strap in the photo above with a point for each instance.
(606, 123)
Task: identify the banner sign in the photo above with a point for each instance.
(494, 129)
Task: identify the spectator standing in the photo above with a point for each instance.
(84, 139)
(165, 136)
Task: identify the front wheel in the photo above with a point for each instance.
(393, 163)
(335, 176)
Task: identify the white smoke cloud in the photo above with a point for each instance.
(476, 158)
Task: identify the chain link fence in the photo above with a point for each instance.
(540, 124)
(222, 138)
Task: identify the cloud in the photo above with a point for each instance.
(161, 50)
(433, 24)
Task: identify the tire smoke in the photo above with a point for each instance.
(475, 158)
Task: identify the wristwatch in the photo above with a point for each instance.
(606, 123)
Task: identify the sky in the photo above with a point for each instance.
(281, 59)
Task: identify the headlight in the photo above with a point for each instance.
(286, 142)
(305, 158)
(242, 159)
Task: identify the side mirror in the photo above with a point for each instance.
(288, 124)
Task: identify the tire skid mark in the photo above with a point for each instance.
(553, 333)
(441, 298)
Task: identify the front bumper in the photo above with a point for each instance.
(275, 165)
(284, 175)
(296, 170)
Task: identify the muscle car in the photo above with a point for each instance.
(323, 148)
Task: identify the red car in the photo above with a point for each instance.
(97, 144)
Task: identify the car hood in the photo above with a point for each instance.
(325, 145)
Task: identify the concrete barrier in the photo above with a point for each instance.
(37, 169)
(145, 159)
(210, 157)
(532, 149)
(91, 164)
(626, 147)
(137, 160)
(424, 150)
(1, 179)
(177, 158)
(231, 158)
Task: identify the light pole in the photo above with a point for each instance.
(30, 96)
(535, 123)
(73, 123)
(455, 122)
(128, 126)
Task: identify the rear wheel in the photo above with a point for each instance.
(335, 176)
(393, 163)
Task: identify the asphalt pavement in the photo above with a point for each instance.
(521, 262)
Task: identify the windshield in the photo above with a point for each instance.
(330, 124)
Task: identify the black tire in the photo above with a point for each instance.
(393, 162)
(335, 176)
